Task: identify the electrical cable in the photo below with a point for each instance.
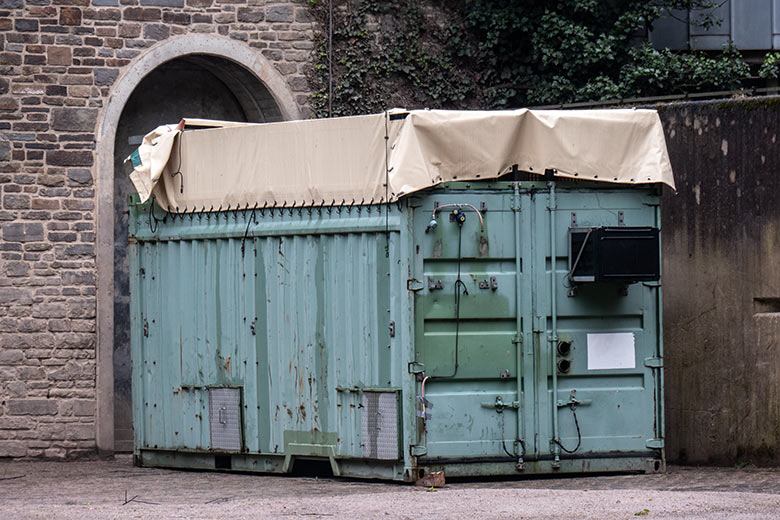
(178, 170)
(152, 217)
(458, 284)
(503, 437)
(579, 435)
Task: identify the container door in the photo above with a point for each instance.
(600, 359)
(466, 324)
(585, 382)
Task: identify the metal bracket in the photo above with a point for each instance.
(540, 323)
(434, 286)
(414, 285)
(573, 219)
(491, 284)
(417, 450)
(573, 402)
(654, 362)
(483, 207)
(416, 368)
(621, 219)
(655, 444)
(499, 405)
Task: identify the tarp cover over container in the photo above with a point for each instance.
(319, 161)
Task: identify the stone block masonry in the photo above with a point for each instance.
(59, 60)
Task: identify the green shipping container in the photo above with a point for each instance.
(480, 328)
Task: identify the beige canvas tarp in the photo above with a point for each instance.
(350, 158)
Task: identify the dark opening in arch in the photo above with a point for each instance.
(195, 85)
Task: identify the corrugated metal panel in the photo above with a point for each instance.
(291, 319)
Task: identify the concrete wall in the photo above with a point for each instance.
(64, 64)
(721, 244)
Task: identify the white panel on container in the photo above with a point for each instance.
(611, 351)
(224, 418)
(380, 425)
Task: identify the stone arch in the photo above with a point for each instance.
(239, 65)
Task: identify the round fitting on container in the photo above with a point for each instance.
(564, 365)
(564, 348)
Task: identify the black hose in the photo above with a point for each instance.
(458, 284)
(579, 435)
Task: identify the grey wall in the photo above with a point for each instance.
(721, 245)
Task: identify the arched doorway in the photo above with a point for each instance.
(198, 86)
(192, 76)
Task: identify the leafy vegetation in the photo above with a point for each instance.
(508, 53)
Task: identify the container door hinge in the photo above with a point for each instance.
(417, 450)
(540, 323)
(416, 368)
(414, 285)
(654, 362)
(655, 444)
(517, 339)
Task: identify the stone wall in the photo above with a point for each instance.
(58, 62)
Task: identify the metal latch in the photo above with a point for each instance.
(573, 402)
(223, 415)
(492, 284)
(499, 405)
(414, 285)
(417, 450)
(655, 444)
(416, 368)
(434, 285)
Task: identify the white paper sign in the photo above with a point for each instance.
(611, 351)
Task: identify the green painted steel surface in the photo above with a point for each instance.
(305, 310)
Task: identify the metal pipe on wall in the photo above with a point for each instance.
(519, 323)
(553, 340)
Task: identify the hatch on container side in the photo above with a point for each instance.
(225, 418)
(380, 425)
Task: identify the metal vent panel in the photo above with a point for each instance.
(225, 418)
(380, 425)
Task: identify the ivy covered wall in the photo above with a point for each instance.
(492, 54)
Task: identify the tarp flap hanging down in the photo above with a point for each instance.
(305, 162)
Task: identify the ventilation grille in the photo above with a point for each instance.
(380, 425)
(225, 418)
